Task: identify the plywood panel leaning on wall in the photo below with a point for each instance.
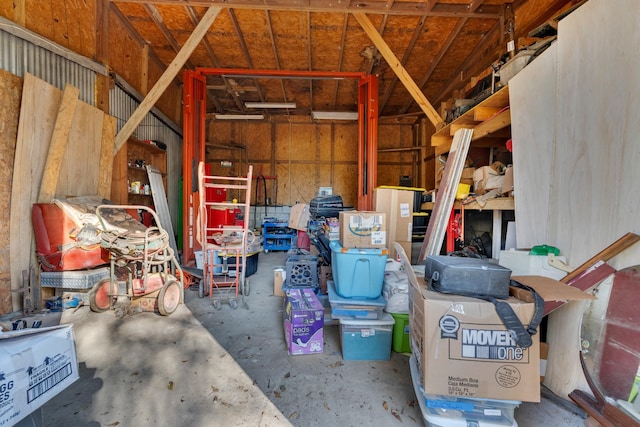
(11, 94)
(81, 164)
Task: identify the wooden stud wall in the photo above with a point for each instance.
(305, 156)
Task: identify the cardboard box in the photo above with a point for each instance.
(360, 229)
(507, 184)
(467, 176)
(35, 365)
(303, 322)
(299, 216)
(486, 178)
(462, 347)
(397, 206)
(279, 276)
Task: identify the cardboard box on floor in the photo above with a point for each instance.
(463, 349)
(279, 276)
(363, 229)
(299, 216)
(397, 205)
(35, 365)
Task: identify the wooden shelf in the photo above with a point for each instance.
(125, 172)
(487, 119)
(497, 204)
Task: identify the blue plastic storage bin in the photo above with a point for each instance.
(366, 339)
(358, 273)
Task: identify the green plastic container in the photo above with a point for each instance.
(401, 341)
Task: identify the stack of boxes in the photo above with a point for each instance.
(465, 366)
(358, 260)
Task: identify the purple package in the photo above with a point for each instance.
(303, 322)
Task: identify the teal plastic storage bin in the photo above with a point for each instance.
(358, 273)
(366, 339)
(401, 337)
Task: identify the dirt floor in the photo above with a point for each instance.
(207, 367)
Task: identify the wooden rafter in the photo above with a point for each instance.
(243, 46)
(343, 40)
(310, 60)
(397, 68)
(156, 17)
(475, 4)
(134, 33)
(477, 56)
(437, 59)
(167, 77)
(405, 58)
(374, 7)
(383, 24)
(275, 53)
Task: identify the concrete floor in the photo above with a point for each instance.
(204, 367)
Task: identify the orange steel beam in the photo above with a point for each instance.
(194, 112)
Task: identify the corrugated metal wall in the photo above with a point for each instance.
(18, 55)
(122, 106)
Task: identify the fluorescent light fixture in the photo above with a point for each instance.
(239, 116)
(335, 115)
(270, 104)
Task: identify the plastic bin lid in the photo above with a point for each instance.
(386, 319)
(334, 298)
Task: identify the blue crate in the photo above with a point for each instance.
(358, 273)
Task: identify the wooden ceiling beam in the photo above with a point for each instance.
(372, 60)
(478, 59)
(156, 17)
(134, 33)
(167, 77)
(400, 71)
(374, 7)
(193, 17)
(243, 46)
(343, 40)
(405, 58)
(275, 53)
(445, 48)
(309, 47)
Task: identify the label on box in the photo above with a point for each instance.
(358, 222)
(378, 238)
(405, 210)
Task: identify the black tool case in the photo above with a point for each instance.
(467, 276)
(325, 206)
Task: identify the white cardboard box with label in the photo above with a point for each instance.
(35, 365)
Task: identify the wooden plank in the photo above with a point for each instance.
(81, 161)
(500, 99)
(446, 194)
(167, 77)
(480, 114)
(10, 93)
(532, 95)
(593, 185)
(398, 68)
(161, 205)
(105, 169)
(605, 255)
(493, 124)
(58, 144)
(39, 108)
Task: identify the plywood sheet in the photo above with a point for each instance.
(345, 183)
(533, 120)
(81, 162)
(38, 112)
(10, 93)
(345, 145)
(596, 152)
